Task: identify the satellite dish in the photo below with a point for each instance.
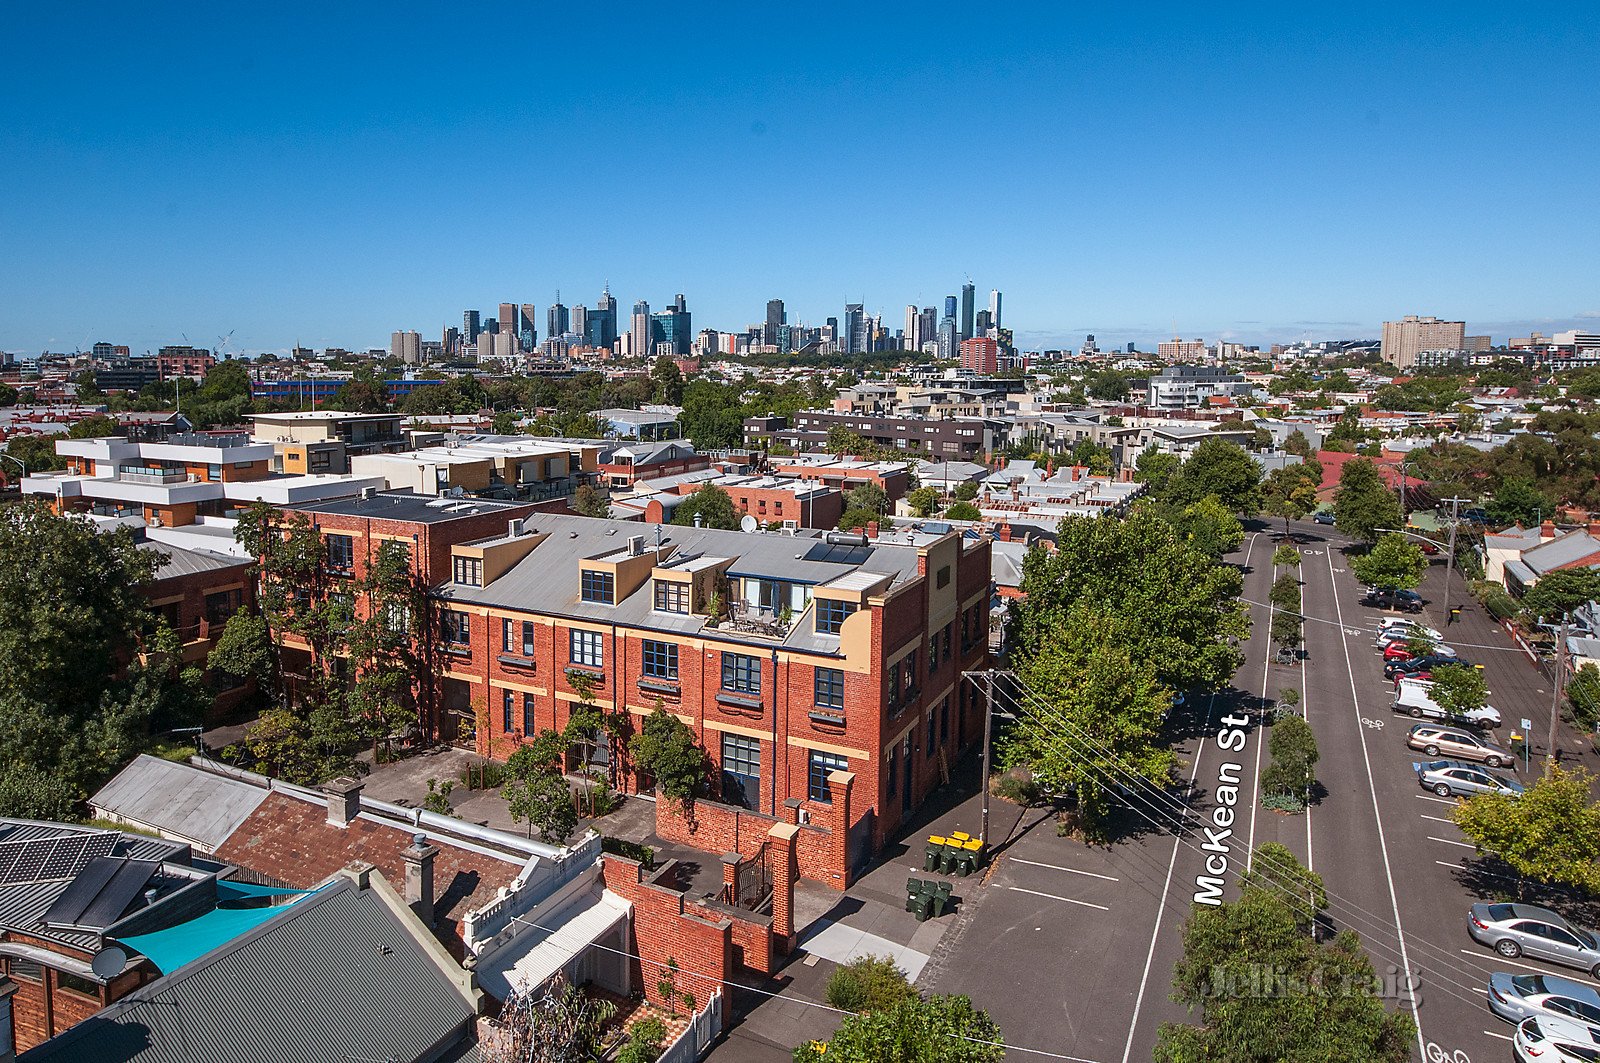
(747, 523)
(108, 962)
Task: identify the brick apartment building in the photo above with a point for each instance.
(845, 474)
(627, 464)
(795, 502)
(184, 362)
(835, 659)
(956, 438)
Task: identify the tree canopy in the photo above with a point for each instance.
(1362, 503)
(1393, 562)
(1217, 467)
(941, 1029)
(713, 505)
(1562, 591)
(1549, 834)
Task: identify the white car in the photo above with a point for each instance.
(1408, 627)
(1415, 700)
(1553, 1039)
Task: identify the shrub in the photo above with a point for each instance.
(1286, 555)
(629, 849)
(1286, 593)
(1290, 803)
(1017, 786)
(869, 983)
(644, 1043)
(1293, 743)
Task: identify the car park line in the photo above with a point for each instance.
(1447, 841)
(1502, 1036)
(1058, 867)
(1566, 973)
(1438, 819)
(1054, 897)
(1440, 800)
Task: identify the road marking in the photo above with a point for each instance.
(1438, 819)
(1058, 867)
(1502, 1036)
(1565, 973)
(1054, 897)
(1266, 674)
(1440, 800)
(1377, 814)
(1447, 841)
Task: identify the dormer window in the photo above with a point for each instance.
(671, 597)
(599, 587)
(831, 615)
(468, 571)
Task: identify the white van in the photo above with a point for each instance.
(1415, 699)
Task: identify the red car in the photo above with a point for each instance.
(1396, 651)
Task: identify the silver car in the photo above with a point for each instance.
(1515, 997)
(1457, 777)
(1515, 930)
(1435, 738)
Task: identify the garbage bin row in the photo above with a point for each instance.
(928, 899)
(958, 854)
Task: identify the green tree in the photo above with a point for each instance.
(923, 501)
(665, 749)
(1218, 467)
(38, 453)
(713, 505)
(556, 1023)
(543, 800)
(1517, 501)
(666, 381)
(869, 496)
(1583, 695)
(1562, 592)
(1294, 756)
(1393, 562)
(713, 415)
(1156, 471)
(587, 501)
(1108, 385)
(95, 426)
(965, 491)
(1549, 834)
(1459, 688)
(1297, 443)
(244, 650)
(1226, 949)
(8, 395)
(1362, 503)
(961, 511)
(1207, 525)
(1291, 492)
(941, 1029)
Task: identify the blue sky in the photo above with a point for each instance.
(326, 174)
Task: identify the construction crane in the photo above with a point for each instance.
(223, 341)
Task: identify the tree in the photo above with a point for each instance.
(666, 381)
(941, 1029)
(1294, 755)
(1297, 443)
(1108, 385)
(1218, 467)
(1362, 503)
(1459, 688)
(558, 1023)
(543, 800)
(95, 426)
(1562, 592)
(1156, 470)
(1227, 948)
(868, 983)
(1291, 491)
(8, 395)
(38, 453)
(243, 650)
(1549, 834)
(588, 502)
(868, 496)
(713, 505)
(1517, 501)
(1208, 526)
(665, 749)
(963, 511)
(1583, 695)
(965, 491)
(1393, 562)
(923, 501)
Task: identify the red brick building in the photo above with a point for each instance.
(769, 499)
(846, 474)
(980, 355)
(626, 465)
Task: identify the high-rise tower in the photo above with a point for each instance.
(969, 294)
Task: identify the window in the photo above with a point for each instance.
(469, 571)
(821, 765)
(741, 673)
(599, 587)
(894, 684)
(457, 628)
(831, 614)
(741, 770)
(931, 743)
(214, 472)
(660, 659)
(910, 673)
(508, 631)
(672, 597)
(830, 688)
(944, 720)
(894, 769)
(587, 648)
(946, 638)
(528, 725)
(222, 605)
(507, 703)
(933, 653)
(527, 638)
(74, 984)
(341, 552)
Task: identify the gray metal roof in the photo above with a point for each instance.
(178, 801)
(182, 562)
(405, 505)
(1560, 551)
(336, 976)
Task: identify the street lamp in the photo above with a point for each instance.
(20, 463)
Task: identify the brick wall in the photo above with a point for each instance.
(667, 929)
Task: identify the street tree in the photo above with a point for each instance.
(1562, 592)
(587, 501)
(1156, 470)
(543, 800)
(1291, 492)
(1393, 562)
(1549, 834)
(1362, 504)
(1227, 950)
(1459, 688)
(940, 1029)
(1218, 467)
(666, 381)
(712, 504)
(1207, 525)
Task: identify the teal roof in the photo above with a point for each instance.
(170, 949)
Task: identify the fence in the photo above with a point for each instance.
(704, 1029)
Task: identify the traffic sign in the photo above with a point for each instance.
(1527, 724)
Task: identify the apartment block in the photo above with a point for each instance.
(1404, 339)
(956, 438)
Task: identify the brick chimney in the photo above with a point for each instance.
(872, 529)
(419, 876)
(1547, 530)
(344, 800)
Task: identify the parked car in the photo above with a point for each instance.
(1419, 665)
(1513, 930)
(1392, 635)
(1554, 1039)
(1475, 516)
(1405, 626)
(1324, 516)
(1416, 701)
(1392, 598)
(1456, 778)
(1397, 651)
(1436, 739)
(1515, 997)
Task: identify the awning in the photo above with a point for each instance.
(170, 949)
(551, 940)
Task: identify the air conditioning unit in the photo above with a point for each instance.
(791, 526)
(805, 815)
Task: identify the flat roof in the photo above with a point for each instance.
(409, 506)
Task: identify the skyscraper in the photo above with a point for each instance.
(639, 329)
(947, 335)
(912, 319)
(527, 327)
(983, 324)
(969, 293)
(927, 326)
(469, 326)
(669, 333)
(580, 323)
(775, 317)
(852, 329)
(601, 323)
(994, 307)
(556, 319)
(508, 319)
(406, 346)
(950, 306)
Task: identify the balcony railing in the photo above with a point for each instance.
(152, 476)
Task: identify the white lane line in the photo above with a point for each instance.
(1436, 800)
(1155, 931)
(1055, 897)
(1491, 1033)
(1439, 819)
(1058, 867)
(1529, 967)
(1458, 865)
(1377, 814)
(1305, 714)
(1259, 735)
(1447, 841)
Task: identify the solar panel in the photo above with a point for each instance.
(66, 859)
(9, 851)
(49, 859)
(31, 861)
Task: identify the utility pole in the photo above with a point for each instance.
(1561, 676)
(1450, 557)
(986, 677)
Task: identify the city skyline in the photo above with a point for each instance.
(1209, 173)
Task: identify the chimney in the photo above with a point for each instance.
(344, 800)
(872, 529)
(1547, 530)
(419, 876)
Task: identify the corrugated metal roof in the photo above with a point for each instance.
(179, 801)
(559, 937)
(337, 976)
(182, 562)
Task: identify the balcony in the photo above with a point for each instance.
(153, 476)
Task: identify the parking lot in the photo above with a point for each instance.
(1071, 948)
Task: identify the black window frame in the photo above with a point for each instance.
(597, 587)
(831, 614)
(466, 571)
(528, 644)
(741, 673)
(508, 702)
(827, 688)
(740, 765)
(456, 628)
(592, 640)
(819, 765)
(667, 594)
(659, 660)
(345, 560)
